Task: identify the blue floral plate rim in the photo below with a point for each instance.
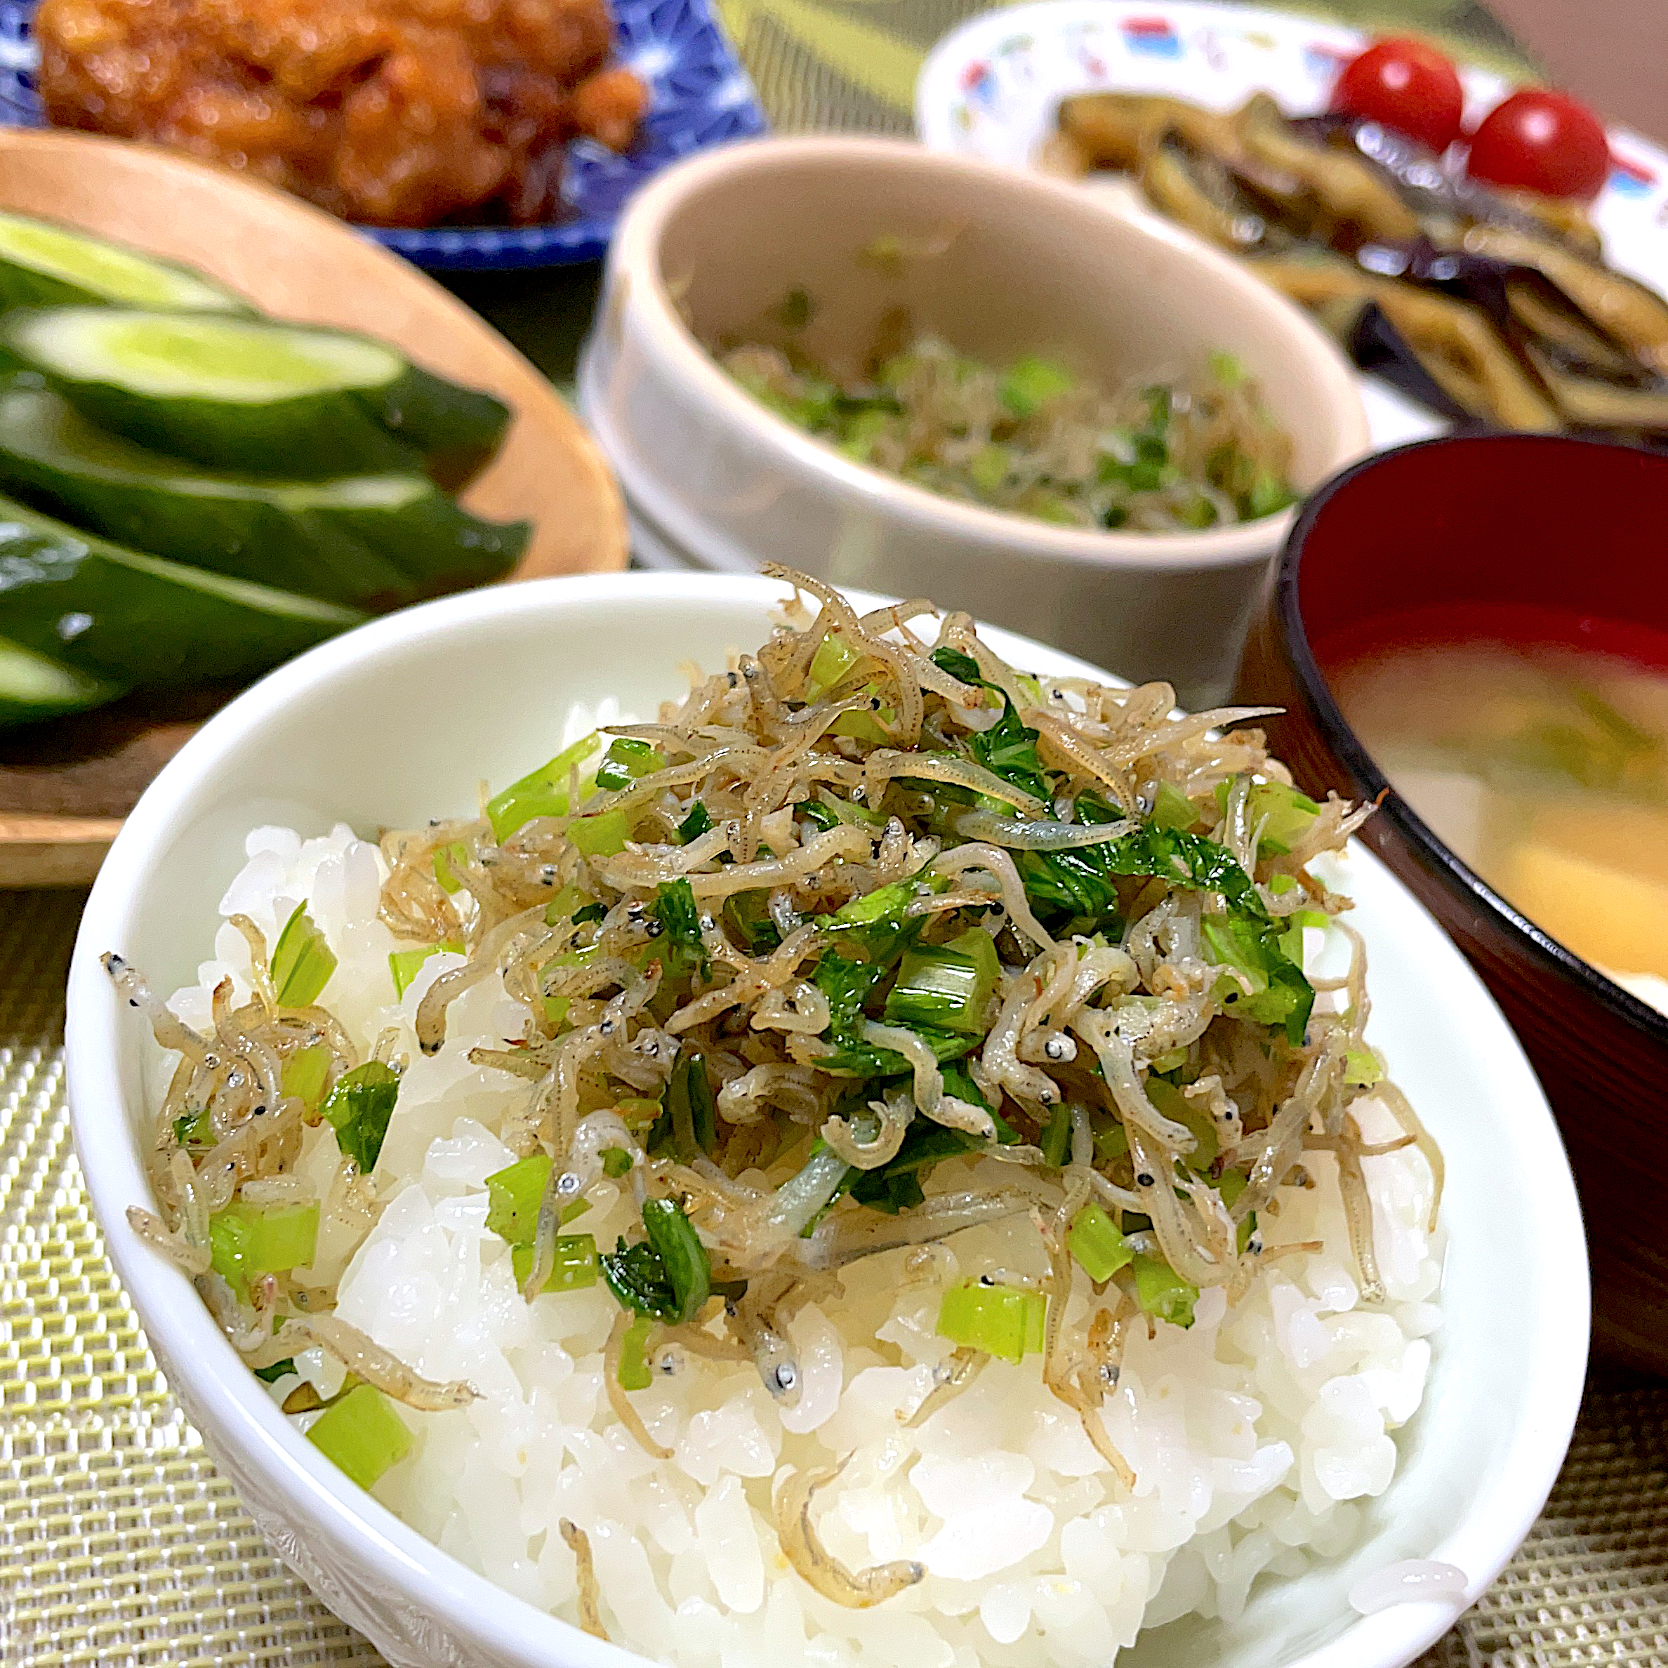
(700, 95)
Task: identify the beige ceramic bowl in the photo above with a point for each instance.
(1023, 265)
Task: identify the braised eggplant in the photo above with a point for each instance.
(1490, 306)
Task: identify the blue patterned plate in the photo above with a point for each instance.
(699, 96)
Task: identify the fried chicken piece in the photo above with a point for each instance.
(609, 106)
(394, 112)
(563, 40)
(412, 151)
(106, 63)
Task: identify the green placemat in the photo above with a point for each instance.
(852, 63)
(120, 1546)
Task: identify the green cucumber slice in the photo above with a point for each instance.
(33, 686)
(367, 540)
(238, 394)
(119, 614)
(437, 545)
(457, 429)
(255, 395)
(46, 264)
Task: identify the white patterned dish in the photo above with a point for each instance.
(1036, 265)
(990, 89)
(398, 721)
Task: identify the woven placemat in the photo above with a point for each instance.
(120, 1546)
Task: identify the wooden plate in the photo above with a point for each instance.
(65, 786)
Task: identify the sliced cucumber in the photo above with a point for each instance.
(116, 613)
(367, 540)
(240, 394)
(457, 429)
(254, 395)
(412, 524)
(33, 687)
(46, 264)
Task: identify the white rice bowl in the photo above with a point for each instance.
(1258, 1437)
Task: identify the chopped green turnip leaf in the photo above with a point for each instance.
(362, 1434)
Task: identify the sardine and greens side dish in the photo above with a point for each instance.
(867, 1156)
(1031, 437)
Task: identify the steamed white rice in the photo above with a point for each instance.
(1256, 1436)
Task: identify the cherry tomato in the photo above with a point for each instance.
(1405, 85)
(1540, 141)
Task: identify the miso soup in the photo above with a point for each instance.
(1546, 770)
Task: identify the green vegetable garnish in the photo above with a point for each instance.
(1081, 885)
(359, 1108)
(1172, 808)
(246, 1242)
(1265, 984)
(1230, 1186)
(301, 961)
(636, 1275)
(1285, 814)
(896, 1186)
(403, 964)
(576, 1266)
(1056, 1136)
(695, 824)
(1111, 1142)
(818, 814)
(447, 860)
(1031, 439)
(565, 906)
(848, 984)
(1268, 494)
(948, 986)
(747, 917)
(989, 468)
(602, 835)
(1004, 1321)
(691, 1112)
(1173, 1104)
(1009, 750)
(1227, 368)
(634, 1371)
(513, 1196)
(667, 1275)
(626, 759)
(541, 793)
(193, 1129)
(679, 948)
(362, 1434)
(304, 1073)
(1031, 383)
(1096, 1242)
(1163, 1292)
(1362, 1068)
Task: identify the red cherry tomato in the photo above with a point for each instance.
(1405, 85)
(1539, 141)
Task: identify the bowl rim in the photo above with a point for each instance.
(634, 272)
(393, 1560)
(1371, 783)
